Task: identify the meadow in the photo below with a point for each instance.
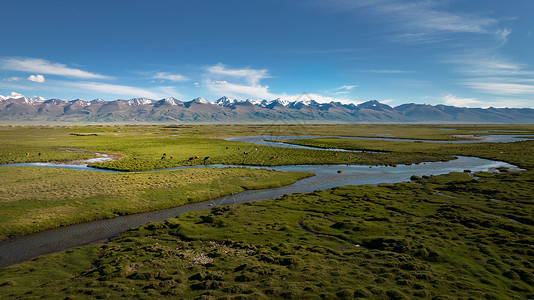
(400, 241)
(33, 199)
(458, 235)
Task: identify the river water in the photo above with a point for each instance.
(22, 248)
(262, 139)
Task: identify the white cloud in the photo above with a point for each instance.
(316, 97)
(240, 91)
(346, 87)
(36, 65)
(251, 76)
(246, 83)
(236, 83)
(11, 79)
(224, 88)
(170, 77)
(501, 88)
(121, 90)
(489, 73)
(474, 102)
(14, 95)
(462, 102)
(420, 16)
(486, 63)
(219, 82)
(502, 34)
(36, 78)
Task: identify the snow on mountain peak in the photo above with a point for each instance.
(139, 101)
(200, 100)
(258, 102)
(172, 101)
(283, 102)
(223, 101)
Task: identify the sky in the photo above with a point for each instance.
(475, 53)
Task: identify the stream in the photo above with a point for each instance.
(25, 247)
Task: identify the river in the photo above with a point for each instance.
(22, 248)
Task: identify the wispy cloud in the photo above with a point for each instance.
(462, 102)
(252, 76)
(317, 97)
(170, 77)
(262, 92)
(346, 87)
(420, 20)
(246, 83)
(222, 87)
(342, 90)
(486, 63)
(11, 79)
(489, 73)
(236, 83)
(34, 78)
(501, 88)
(475, 102)
(431, 15)
(37, 65)
(121, 90)
(502, 34)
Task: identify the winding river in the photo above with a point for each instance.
(22, 248)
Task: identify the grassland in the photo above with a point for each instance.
(157, 147)
(142, 147)
(444, 237)
(517, 153)
(34, 199)
(413, 244)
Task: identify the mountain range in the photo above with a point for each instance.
(23, 110)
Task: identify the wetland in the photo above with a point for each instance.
(425, 215)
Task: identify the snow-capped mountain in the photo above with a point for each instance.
(225, 101)
(168, 101)
(140, 101)
(16, 109)
(200, 100)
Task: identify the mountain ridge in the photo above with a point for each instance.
(22, 110)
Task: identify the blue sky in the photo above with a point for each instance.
(475, 53)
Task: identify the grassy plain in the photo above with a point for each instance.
(413, 242)
(143, 146)
(33, 199)
(444, 237)
(517, 153)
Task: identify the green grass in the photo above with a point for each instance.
(518, 153)
(34, 199)
(417, 245)
(154, 147)
(445, 236)
(142, 147)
